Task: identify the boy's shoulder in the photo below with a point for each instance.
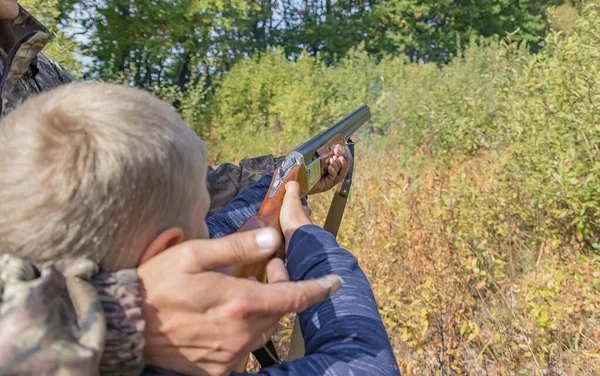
(227, 180)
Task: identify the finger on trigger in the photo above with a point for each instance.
(292, 185)
(292, 189)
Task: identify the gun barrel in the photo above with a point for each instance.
(345, 127)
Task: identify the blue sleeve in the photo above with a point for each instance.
(344, 335)
(243, 206)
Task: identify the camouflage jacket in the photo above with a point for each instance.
(69, 320)
(226, 181)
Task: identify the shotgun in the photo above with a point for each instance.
(306, 164)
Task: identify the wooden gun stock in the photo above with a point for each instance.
(267, 216)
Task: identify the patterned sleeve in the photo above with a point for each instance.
(226, 181)
(246, 204)
(344, 335)
(67, 320)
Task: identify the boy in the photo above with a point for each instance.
(104, 172)
(99, 171)
(118, 177)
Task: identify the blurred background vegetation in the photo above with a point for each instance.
(475, 209)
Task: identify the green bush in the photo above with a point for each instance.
(448, 106)
(538, 113)
(549, 114)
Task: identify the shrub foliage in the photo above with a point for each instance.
(475, 207)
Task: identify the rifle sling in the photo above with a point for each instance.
(338, 203)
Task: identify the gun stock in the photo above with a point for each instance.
(267, 216)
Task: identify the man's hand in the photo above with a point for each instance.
(202, 322)
(337, 167)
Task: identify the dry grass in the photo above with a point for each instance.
(457, 296)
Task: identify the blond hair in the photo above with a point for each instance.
(97, 171)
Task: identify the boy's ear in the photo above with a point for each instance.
(166, 239)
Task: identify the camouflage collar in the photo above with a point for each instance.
(21, 26)
(30, 37)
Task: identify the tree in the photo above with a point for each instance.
(424, 29)
(178, 42)
(171, 42)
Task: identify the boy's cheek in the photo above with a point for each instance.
(201, 231)
(204, 231)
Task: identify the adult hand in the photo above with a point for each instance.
(203, 322)
(337, 167)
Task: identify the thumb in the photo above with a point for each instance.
(291, 208)
(292, 213)
(239, 248)
(292, 195)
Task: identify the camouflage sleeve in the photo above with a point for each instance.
(62, 320)
(62, 75)
(121, 300)
(227, 180)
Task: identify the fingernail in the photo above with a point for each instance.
(331, 282)
(267, 239)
